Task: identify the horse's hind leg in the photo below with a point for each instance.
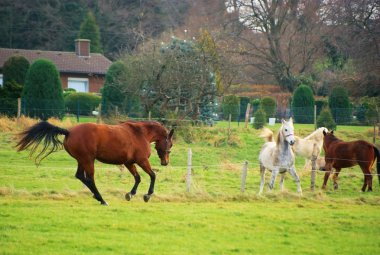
(262, 180)
(367, 178)
(145, 165)
(132, 169)
(85, 173)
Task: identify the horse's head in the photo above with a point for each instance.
(163, 147)
(327, 138)
(287, 131)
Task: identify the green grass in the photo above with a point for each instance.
(45, 210)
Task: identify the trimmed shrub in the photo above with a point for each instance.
(340, 106)
(112, 95)
(325, 119)
(255, 104)
(231, 105)
(268, 105)
(260, 119)
(14, 71)
(303, 104)
(42, 95)
(82, 103)
(321, 104)
(243, 106)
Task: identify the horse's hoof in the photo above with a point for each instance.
(335, 187)
(146, 197)
(104, 203)
(128, 196)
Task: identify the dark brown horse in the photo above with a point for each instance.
(340, 154)
(127, 143)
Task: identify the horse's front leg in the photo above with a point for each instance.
(145, 165)
(132, 169)
(293, 172)
(282, 181)
(327, 174)
(262, 180)
(335, 178)
(273, 177)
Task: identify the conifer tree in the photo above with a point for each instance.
(90, 30)
(42, 94)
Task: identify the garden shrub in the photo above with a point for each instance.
(82, 103)
(303, 104)
(325, 119)
(260, 119)
(268, 105)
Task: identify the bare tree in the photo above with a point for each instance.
(279, 38)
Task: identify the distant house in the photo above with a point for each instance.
(80, 70)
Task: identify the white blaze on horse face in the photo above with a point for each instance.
(288, 131)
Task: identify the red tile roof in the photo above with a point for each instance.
(66, 62)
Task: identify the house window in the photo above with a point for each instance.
(79, 84)
(1, 80)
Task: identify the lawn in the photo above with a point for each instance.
(45, 210)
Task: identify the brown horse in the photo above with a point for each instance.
(127, 143)
(340, 154)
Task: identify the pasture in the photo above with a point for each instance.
(46, 210)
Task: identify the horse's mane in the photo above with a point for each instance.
(313, 135)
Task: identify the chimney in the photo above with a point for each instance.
(82, 47)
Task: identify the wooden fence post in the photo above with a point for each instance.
(243, 176)
(188, 175)
(18, 108)
(247, 114)
(149, 115)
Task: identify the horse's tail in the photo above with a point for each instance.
(267, 134)
(377, 153)
(42, 131)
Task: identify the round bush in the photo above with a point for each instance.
(82, 103)
(339, 104)
(268, 105)
(42, 95)
(303, 104)
(260, 119)
(231, 105)
(15, 69)
(325, 119)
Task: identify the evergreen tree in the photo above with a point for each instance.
(14, 71)
(339, 104)
(90, 30)
(42, 94)
(260, 118)
(231, 105)
(268, 104)
(113, 94)
(303, 104)
(325, 119)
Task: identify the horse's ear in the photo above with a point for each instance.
(324, 132)
(171, 133)
(283, 121)
(291, 119)
(332, 132)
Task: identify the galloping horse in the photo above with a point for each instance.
(278, 156)
(127, 143)
(340, 154)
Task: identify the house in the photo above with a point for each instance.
(80, 70)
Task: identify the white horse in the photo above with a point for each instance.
(277, 156)
(309, 148)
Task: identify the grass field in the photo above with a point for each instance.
(45, 210)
